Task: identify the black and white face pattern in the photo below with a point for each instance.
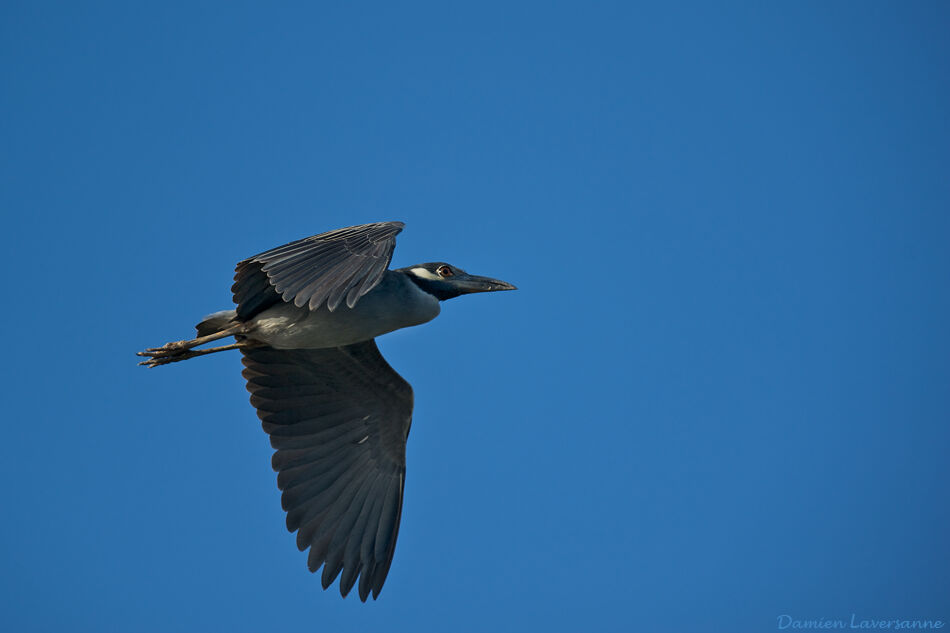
(436, 271)
(444, 281)
(436, 278)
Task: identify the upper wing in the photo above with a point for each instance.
(317, 270)
(339, 419)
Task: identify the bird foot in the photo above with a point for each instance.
(181, 350)
(157, 361)
(174, 346)
(167, 353)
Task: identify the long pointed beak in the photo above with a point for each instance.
(473, 283)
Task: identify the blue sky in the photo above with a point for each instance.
(721, 393)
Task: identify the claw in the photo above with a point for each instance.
(153, 354)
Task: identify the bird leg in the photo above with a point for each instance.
(155, 359)
(195, 342)
(182, 350)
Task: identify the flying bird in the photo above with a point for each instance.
(337, 414)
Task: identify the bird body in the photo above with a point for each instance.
(337, 414)
(395, 303)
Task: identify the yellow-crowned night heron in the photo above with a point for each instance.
(337, 414)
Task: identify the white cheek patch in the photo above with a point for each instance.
(422, 273)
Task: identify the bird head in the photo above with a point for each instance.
(445, 281)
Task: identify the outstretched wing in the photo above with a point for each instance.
(339, 419)
(319, 270)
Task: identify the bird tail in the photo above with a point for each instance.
(217, 322)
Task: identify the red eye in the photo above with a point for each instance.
(444, 271)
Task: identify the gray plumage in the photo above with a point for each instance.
(338, 420)
(320, 269)
(337, 414)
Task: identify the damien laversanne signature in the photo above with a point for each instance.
(786, 621)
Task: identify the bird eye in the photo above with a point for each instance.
(444, 271)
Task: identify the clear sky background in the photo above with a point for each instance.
(721, 394)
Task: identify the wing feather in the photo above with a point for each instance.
(316, 271)
(338, 420)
